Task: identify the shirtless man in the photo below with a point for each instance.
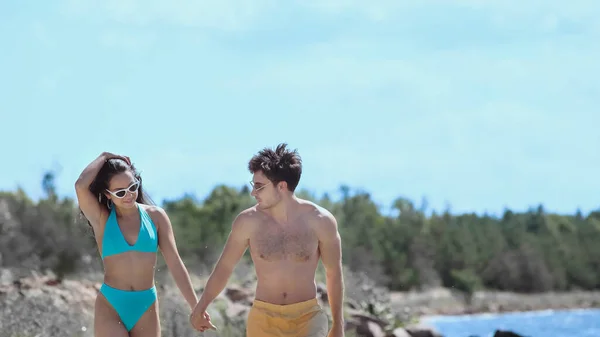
(287, 236)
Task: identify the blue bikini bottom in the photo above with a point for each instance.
(129, 305)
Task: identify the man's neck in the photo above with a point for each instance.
(282, 211)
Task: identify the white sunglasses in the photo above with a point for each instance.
(123, 192)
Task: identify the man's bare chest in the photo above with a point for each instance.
(273, 242)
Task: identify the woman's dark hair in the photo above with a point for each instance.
(111, 168)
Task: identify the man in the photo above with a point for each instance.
(287, 236)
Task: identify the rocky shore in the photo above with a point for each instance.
(33, 304)
(443, 301)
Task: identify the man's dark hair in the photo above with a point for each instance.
(278, 165)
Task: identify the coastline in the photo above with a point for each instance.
(552, 323)
(446, 302)
(427, 319)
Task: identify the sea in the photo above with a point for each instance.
(549, 323)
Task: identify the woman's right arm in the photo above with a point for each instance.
(87, 201)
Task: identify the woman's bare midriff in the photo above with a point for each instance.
(130, 270)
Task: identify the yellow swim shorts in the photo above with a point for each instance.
(303, 319)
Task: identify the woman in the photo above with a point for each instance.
(129, 230)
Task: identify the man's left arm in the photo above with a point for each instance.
(330, 247)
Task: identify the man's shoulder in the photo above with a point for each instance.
(317, 213)
(322, 221)
(248, 213)
(246, 217)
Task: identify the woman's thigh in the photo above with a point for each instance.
(106, 321)
(149, 324)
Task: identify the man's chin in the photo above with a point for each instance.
(261, 205)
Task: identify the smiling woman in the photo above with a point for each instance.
(115, 178)
(129, 229)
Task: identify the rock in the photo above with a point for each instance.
(322, 292)
(30, 292)
(364, 317)
(371, 329)
(53, 282)
(364, 328)
(399, 332)
(365, 325)
(237, 310)
(30, 307)
(351, 304)
(236, 294)
(6, 276)
(36, 281)
(422, 332)
(505, 333)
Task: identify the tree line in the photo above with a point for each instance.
(533, 251)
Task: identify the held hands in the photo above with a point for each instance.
(201, 321)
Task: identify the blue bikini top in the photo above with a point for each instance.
(114, 242)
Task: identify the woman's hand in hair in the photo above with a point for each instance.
(109, 155)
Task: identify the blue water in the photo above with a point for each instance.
(573, 323)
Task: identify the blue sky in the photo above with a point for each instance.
(477, 104)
